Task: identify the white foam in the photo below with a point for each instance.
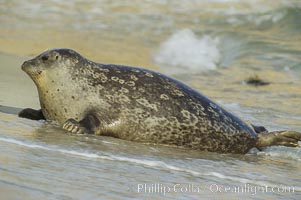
(164, 166)
(143, 162)
(37, 146)
(185, 52)
(21, 143)
(281, 152)
(259, 19)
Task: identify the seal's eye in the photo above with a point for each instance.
(44, 58)
(56, 57)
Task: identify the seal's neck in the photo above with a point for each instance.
(53, 95)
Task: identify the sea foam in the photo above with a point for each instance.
(185, 52)
(143, 162)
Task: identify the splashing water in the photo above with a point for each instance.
(184, 52)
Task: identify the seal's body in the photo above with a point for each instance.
(136, 104)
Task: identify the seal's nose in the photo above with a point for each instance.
(26, 64)
(23, 66)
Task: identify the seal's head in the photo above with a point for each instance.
(49, 63)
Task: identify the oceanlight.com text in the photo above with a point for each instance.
(160, 188)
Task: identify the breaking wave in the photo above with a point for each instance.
(184, 51)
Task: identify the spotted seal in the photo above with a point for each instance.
(138, 105)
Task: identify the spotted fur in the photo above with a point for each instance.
(133, 104)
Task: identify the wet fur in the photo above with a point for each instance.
(134, 104)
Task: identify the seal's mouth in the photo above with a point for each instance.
(31, 69)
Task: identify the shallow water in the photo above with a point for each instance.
(211, 45)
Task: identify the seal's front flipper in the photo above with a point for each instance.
(87, 125)
(283, 138)
(73, 126)
(32, 114)
(90, 122)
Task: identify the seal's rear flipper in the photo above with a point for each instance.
(282, 138)
(30, 113)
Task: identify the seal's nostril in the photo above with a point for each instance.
(25, 64)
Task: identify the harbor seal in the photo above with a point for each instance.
(138, 105)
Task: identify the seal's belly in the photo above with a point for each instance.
(187, 130)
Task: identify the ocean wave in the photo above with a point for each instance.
(184, 51)
(258, 19)
(285, 18)
(143, 162)
(163, 14)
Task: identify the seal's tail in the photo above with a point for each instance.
(283, 138)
